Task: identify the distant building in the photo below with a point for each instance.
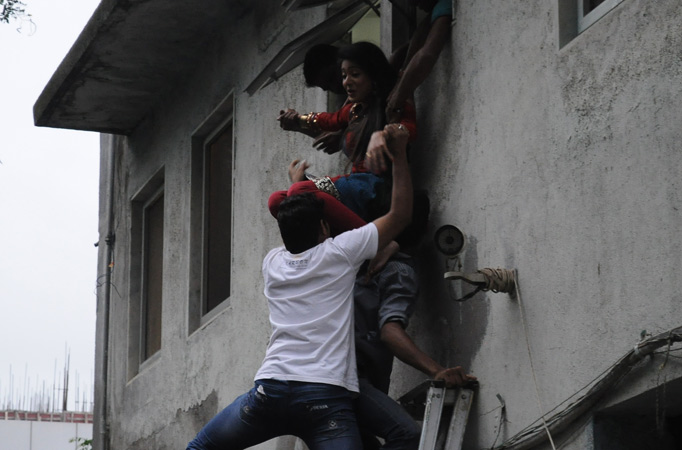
(549, 131)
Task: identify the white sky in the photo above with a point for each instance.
(48, 212)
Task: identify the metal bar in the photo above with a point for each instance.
(460, 416)
(434, 408)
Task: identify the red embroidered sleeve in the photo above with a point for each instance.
(334, 121)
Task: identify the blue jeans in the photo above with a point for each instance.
(320, 414)
(380, 415)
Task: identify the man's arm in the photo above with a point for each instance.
(419, 67)
(403, 347)
(400, 214)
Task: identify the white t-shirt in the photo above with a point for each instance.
(310, 296)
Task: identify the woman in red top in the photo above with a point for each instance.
(352, 199)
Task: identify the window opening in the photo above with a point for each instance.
(211, 174)
(218, 214)
(146, 273)
(152, 279)
(293, 53)
(589, 11)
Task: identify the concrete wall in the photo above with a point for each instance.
(563, 163)
(559, 162)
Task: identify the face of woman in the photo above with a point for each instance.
(356, 82)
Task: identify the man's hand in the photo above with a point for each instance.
(454, 376)
(329, 142)
(288, 119)
(393, 136)
(397, 136)
(297, 170)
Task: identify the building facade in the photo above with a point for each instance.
(549, 132)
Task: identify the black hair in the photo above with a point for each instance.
(299, 219)
(316, 60)
(372, 60)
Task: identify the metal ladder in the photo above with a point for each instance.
(432, 397)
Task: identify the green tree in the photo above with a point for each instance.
(11, 9)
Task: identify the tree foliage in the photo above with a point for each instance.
(11, 9)
(83, 444)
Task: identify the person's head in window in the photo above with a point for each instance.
(426, 5)
(321, 68)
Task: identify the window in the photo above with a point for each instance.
(218, 217)
(293, 53)
(575, 16)
(146, 273)
(652, 419)
(211, 215)
(589, 11)
(152, 275)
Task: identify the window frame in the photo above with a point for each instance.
(292, 54)
(218, 121)
(144, 282)
(227, 124)
(152, 190)
(587, 20)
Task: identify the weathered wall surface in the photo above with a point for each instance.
(194, 376)
(564, 164)
(561, 163)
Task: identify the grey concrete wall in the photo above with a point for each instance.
(564, 164)
(561, 163)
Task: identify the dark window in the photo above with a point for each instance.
(152, 276)
(211, 216)
(218, 219)
(589, 5)
(146, 273)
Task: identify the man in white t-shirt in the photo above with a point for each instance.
(308, 377)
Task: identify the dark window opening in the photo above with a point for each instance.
(589, 5)
(152, 277)
(650, 420)
(218, 218)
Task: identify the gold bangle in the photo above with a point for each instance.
(308, 121)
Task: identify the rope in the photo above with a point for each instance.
(530, 357)
(498, 280)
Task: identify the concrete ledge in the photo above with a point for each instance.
(129, 55)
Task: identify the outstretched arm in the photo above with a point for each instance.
(404, 348)
(419, 67)
(400, 214)
(289, 120)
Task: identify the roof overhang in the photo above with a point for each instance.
(129, 55)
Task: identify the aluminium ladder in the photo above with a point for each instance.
(432, 397)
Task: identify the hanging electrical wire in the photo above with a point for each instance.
(534, 434)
